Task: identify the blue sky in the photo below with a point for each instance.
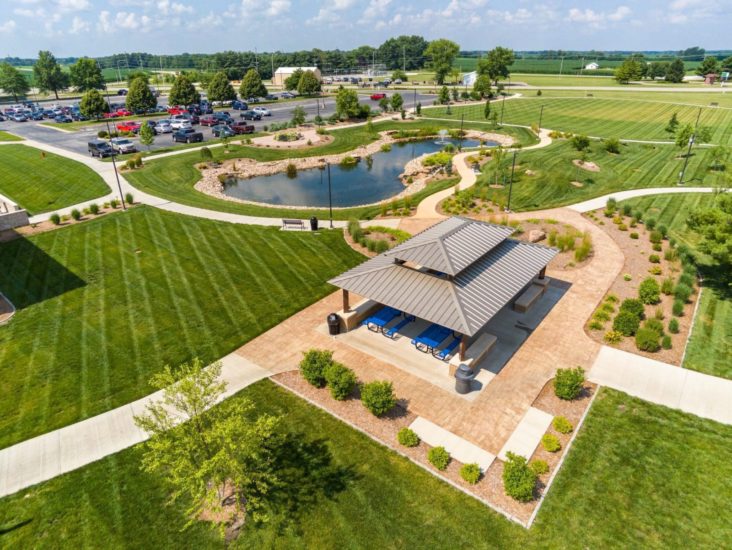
(97, 27)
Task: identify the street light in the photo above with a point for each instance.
(330, 198)
(688, 151)
(114, 154)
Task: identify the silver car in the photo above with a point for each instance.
(123, 145)
(262, 111)
(178, 123)
(163, 127)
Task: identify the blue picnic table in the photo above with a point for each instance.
(431, 338)
(381, 318)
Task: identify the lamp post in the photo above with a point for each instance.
(688, 151)
(503, 106)
(114, 154)
(330, 198)
(510, 183)
(462, 121)
(541, 115)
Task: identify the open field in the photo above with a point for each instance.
(104, 304)
(7, 136)
(619, 118)
(174, 177)
(710, 347)
(556, 66)
(614, 491)
(43, 182)
(637, 166)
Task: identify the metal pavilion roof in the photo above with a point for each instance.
(489, 270)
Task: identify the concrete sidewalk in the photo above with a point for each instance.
(690, 391)
(55, 453)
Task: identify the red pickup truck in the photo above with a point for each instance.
(242, 128)
(177, 110)
(129, 126)
(378, 96)
(208, 120)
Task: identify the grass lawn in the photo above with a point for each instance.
(638, 165)
(710, 347)
(43, 182)
(624, 118)
(174, 177)
(7, 136)
(105, 304)
(628, 482)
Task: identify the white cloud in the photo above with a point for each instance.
(278, 7)
(597, 18)
(27, 12)
(104, 23)
(376, 8)
(167, 7)
(78, 25)
(8, 26)
(73, 5)
(620, 13)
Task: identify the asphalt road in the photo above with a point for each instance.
(76, 141)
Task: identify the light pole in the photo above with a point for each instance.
(114, 154)
(330, 199)
(541, 115)
(510, 183)
(503, 106)
(688, 151)
(462, 120)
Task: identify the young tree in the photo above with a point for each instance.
(444, 96)
(49, 76)
(442, 53)
(675, 71)
(93, 105)
(683, 135)
(714, 224)
(496, 64)
(657, 69)
(309, 84)
(494, 119)
(487, 110)
(347, 104)
(384, 104)
(399, 75)
(298, 115)
(251, 85)
(140, 98)
(630, 69)
(418, 108)
(85, 75)
(183, 92)
(219, 88)
(709, 65)
(482, 86)
(397, 101)
(293, 80)
(672, 126)
(12, 81)
(147, 135)
(455, 94)
(211, 456)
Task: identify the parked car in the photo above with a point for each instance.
(163, 127)
(239, 105)
(262, 111)
(251, 115)
(129, 126)
(178, 123)
(242, 128)
(122, 91)
(377, 96)
(61, 119)
(271, 97)
(287, 95)
(208, 120)
(187, 135)
(38, 115)
(123, 145)
(223, 117)
(222, 130)
(177, 110)
(253, 99)
(99, 148)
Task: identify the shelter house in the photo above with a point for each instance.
(283, 73)
(454, 277)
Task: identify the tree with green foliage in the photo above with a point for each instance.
(219, 88)
(399, 75)
(85, 75)
(487, 110)
(496, 64)
(710, 65)
(140, 98)
(49, 77)
(183, 92)
(442, 54)
(298, 116)
(309, 84)
(657, 69)
(402, 52)
(726, 63)
(251, 85)
(672, 126)
(444, 96)
(482, 86)
(147, 135)
(397, 101)
(93, 105)
(210, 454)
(629, 70)
(683, 135)
(675, 71)
(132, 75)
(293, 80)
(12, 81)
(714, 224)
(347, 105)
(384, 104)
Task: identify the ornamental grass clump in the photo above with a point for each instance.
(551, 443)
(539, 467)
(562, 425)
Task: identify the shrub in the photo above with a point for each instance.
(114, 203)
(381, 246)
(313, 365)
(94, 208)
(378, 397)
(596, 325)
(627, 209)
(602, 315)
(638, 215)
(612, 145)
(206, 154)
(647, 339)
(654, 259)
(657, 247)
(670, 254)
(519, 480)
(655, 270)
(102, 134)
(291, 171)
(340, 380)
(682, 292)
(666, 342)
(650, 223)
(129, 198)
(76, 214)
(649, 291)
(539, 467)
(130, 164)
(687, 279)
(627, 277)
(663, 230)
(551, 443)
(613, 336)
(137, 159)
(659, 314)
(678, 308)
(562, 425)
(568, 383)
(673, 326)
(55, 219)
(654, 324)
(470, 473)
(385, 147)
(611, 298)
(626, 323)
(438, 457)
(667, 286)
(655, 236)
(622, 227)
(580, 142)
(408, 437)
(354, 229)
(608, 306)
(611, 203)
(634, 306)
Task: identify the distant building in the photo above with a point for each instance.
(470, 78)
(282, 73)
(592, 66)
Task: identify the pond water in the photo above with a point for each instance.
(365, 183)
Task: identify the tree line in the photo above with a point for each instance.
(637, 67)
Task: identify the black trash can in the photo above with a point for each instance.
(464, 376)
(313, 223)
(334, 324)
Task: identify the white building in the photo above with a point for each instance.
(282, 73)
(592, 66)
(470, 78)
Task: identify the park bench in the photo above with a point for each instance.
(528, 298)
(292, 223)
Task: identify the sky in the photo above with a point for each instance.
(100, 27)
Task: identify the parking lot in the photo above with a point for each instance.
(77, 140)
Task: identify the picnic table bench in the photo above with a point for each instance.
(444, 353)
(381, 318)
(528, 298)
(291, 222)
(393, 331)
(431, 338)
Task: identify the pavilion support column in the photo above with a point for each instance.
(346, 304)
(463, 346)
(542, 273)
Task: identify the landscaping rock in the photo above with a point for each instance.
(536, 235)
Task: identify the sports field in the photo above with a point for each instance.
(104, 304)
(43, 182)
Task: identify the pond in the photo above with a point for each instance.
(366, 182)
